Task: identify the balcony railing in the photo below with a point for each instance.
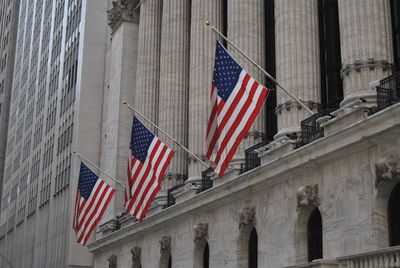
(388, 257)
(310, 128)
(206, 181)
(251, 157)
(170, 197)
(388, 91)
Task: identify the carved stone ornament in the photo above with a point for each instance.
(122, 10)
(386, 168)
(136, 251)
(200, 232)
(307, 196)
(112, 261)
(165, 244)
(247, 216)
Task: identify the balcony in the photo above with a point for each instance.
(206, 181)
(310, 128)
(251, 157)
(388, 91)
(388, 257)
(170, 197)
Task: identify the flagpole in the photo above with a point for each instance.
(175, 141)
(259, 67)
(97, 167)
(141, 1)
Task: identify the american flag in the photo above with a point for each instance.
(150, 158)
(92, 198)
(236, 101)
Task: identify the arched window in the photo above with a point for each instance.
(314, 236)
(206, 256)
(394, 217)
(253, 249)
(170, 261)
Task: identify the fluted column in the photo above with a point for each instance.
(202, 50)
(246, 29)
(366, 46)
(148, 72)
(174, 84)
(297, 61)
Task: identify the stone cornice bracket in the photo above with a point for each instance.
(386, 169)
(247, 216)
(136, 251)
(165, 245)
(122, 10)
(200, 233)
(307, 196)
(291, 104)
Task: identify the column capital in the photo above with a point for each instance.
(122, 10)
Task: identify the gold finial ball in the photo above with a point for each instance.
(207, 22)
(124, 101)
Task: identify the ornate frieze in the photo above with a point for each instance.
(247, 216)
(165, 244)
(200, 232)
(122, 10)
(386, 168)
(307, 196)
(291, 104)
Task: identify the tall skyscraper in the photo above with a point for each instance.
(56, 106)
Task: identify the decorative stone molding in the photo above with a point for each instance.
(200, 232)
(112, 261)
(136, 252)
(191, 158)
(122, 10)
(307, 196)
(386, 169)
(370, 64)
(165, 244)
(291, 104)
(247, 216)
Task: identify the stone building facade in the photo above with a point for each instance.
(302, 191)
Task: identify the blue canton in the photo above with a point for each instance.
(226, 72)
(87, 181)
(141, 139)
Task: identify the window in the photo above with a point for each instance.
(330, 57)
(395, 8)
(314, 236)
(206, 256)
(394, 217)
(170, 262)
(253, 249)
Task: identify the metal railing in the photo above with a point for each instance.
(206, 181)
(388, 91)
(170, 197)
(310, 128)
(251, 157)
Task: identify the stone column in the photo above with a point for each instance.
(202, 50)
(148, 72)
(174, 84)
(246, 29)
(297, 61)
(119, 85)
(366, 46)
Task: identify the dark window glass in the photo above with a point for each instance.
(170, 262)
(253, 249)
(394, 217)
(330, 57)
(395, 7)
(314, 236)
(271, 123)
(206, 256)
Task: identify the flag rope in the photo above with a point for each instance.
(98, 168)
(215, 30)
(165, 133)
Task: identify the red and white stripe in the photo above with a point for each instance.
(229, 122)
(89, 212)
(146, 178)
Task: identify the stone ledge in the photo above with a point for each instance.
(376, 129)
